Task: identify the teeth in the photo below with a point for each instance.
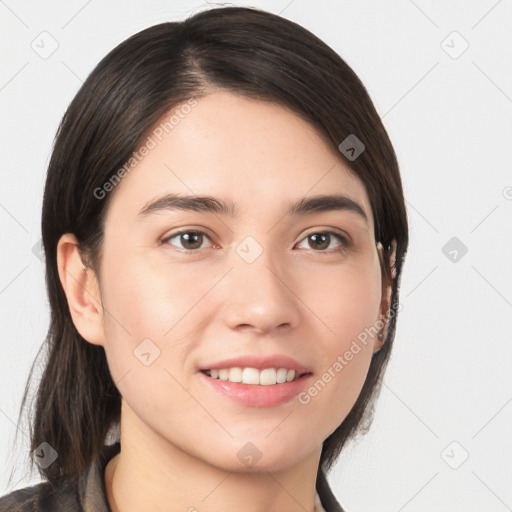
(281, 375)
(266, 377)
(235, 374)
(250, 376)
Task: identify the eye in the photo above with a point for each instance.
(322, 239)
(190, 240)
(193, 240)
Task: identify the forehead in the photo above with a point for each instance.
(243, 150)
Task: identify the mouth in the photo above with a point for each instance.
(251, 391)
(254, 376)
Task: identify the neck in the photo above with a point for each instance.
(150, 473)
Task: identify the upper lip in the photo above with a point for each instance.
(260, 363)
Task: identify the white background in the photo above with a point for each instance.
(450, 122)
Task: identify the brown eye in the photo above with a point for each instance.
(319, 240)
(189, 240)
(322, 240)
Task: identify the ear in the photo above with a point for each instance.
(388, 271)
(82, 290)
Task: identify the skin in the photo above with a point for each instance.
(180, 439)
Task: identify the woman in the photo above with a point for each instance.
(224, 230)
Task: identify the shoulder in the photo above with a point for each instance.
(70, 494)
(42, 497)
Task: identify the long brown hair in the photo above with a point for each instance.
(245, 51)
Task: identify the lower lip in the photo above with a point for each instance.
(253, 395)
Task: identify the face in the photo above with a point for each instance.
(183, 290)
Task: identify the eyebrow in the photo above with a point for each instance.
(209, 204)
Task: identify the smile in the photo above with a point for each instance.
(265, 377)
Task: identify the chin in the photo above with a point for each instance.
(251, 459)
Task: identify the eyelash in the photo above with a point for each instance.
(345, 243)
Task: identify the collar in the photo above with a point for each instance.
(91, 485)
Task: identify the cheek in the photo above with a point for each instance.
(348, 312)
(150, 302)
(134, 311)
(332, 394)
(143, 308)
(344, 300)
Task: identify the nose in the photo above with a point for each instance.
(260, 297)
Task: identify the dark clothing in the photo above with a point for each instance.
(85, 494)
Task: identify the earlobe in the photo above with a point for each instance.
(81, 289)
